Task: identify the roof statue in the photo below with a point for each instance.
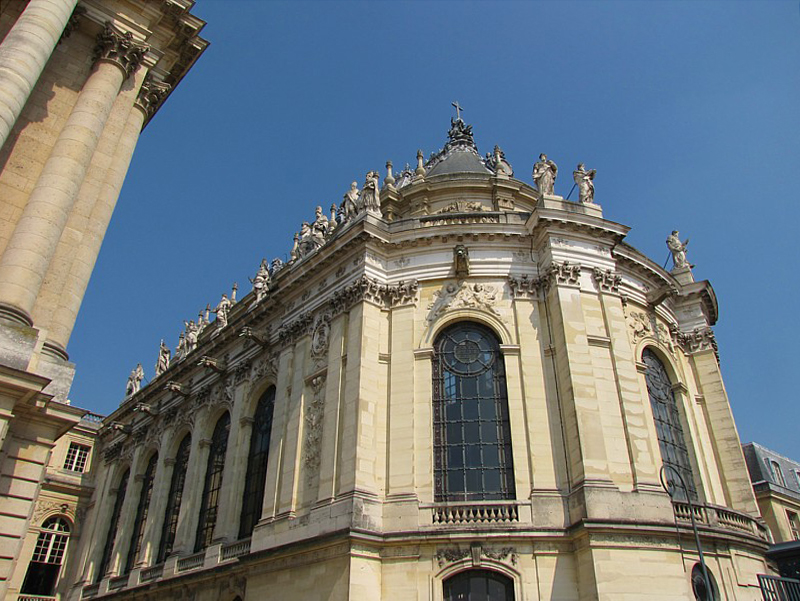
(544, 175)
(585, 181)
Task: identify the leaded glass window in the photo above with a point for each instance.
(211, 489)
(478, 585)
(671, 441)
(472, 437)
(43, 570)
(173, 510)
(113, 524)
(141, 512)
(255, 478)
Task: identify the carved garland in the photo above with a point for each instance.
(452, 555)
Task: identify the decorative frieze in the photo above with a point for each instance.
(462, 295)
(118, 47)
(450, 555)
(606, 280)
(454, 554)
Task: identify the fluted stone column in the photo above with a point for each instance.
(60, 328)
(33, 244)
(77, 224)
(24, 53)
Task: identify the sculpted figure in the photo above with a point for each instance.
(332, 222)
(370, 199)
(163, 359)
(222, 310)
(320, 227)
(585, 181)
(350, 202)
(180, 352)
(544, 174)
(277, 265)
(261, 281)
(192, 332)
(134, 380)
(678, 249)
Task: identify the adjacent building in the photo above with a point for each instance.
(78, 82)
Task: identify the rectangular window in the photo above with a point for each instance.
(77, 456)
(794, 524)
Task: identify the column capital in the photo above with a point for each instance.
(151, 95)
(118, 47)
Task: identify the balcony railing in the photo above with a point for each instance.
(476, 512)
(191, 562)
(151, 573)
(234, 550)
(720, 517)
(35, 598)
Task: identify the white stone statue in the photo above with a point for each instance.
(585, 181)
(370, 199)
(544, 174)
(134, 380)
(163, 359)
(190, 340)
(350, 202)
(261, 281)
(222, 310)
(678, 250)
(320, 227)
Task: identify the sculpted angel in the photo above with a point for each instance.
(544, 174)
(585, 181)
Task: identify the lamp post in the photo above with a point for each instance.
(665, 484)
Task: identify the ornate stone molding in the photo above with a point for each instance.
(73, 23)
(313, 428)
(45, 507)
(606, 280)
(462, 295)
(118, 47)
(452, 555)
(295, 329)
(444, 556)
(151, 96)
(699, 339)
(564, 273)
(320, 337)
(267, 367)
(464, 206)
(525, 287)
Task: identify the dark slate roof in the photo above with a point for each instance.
(460, 160)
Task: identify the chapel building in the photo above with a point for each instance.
(460, 386)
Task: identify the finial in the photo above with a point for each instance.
(389, 180)
(458, 108)
(420, 170)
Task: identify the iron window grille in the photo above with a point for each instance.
(671, 441)
(255, 477)
(173, 509)
(472, 435)
(214, 471)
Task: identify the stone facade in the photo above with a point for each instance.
(78, 81)
(345, 345)
(776, 482)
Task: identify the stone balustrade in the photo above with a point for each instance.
(720, 517)
(475, 512)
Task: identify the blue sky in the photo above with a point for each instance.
(688, 110)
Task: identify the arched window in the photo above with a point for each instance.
(478, 585)
(113, 524)
(42, 575)
(170, 526)
(141, 512)
(255, 478)
(213, 483)
(472, 437)
(777, 473)
(671, 442)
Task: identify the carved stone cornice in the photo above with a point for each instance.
(606, 280)
(118, 47)
(295, 329)
(151, 95)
